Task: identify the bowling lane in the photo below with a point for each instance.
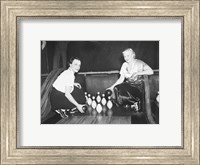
(96, 120)
(120, 120)
(78, 120)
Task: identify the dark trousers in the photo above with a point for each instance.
(59, 101)
(127, 94)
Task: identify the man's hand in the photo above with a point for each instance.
(110, 88)
(134, 76)
(80, 108)
(77, 85)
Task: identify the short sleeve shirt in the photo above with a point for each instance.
(137, 67)
(66, 78)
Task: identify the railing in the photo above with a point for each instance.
(156, 71)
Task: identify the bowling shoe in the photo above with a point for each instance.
(60, 112)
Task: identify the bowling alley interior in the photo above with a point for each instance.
(101, 62)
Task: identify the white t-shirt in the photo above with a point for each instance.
(66, 78)
(138, 66)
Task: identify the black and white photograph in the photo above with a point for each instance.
(100, 82)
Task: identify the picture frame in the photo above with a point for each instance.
(12, 10)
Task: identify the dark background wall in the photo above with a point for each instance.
(97, 55)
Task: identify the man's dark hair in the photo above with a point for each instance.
(72, 59)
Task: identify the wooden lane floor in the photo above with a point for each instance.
(115, 116)
(96, 120)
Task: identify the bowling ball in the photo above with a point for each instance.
(108, 93)
(84, 108)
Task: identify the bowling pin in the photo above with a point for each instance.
(94, 104)
(158, 97)
(103, 100)
(86, 97)
(99, 108)
(98, 97)
(109, 103)
(89, 101)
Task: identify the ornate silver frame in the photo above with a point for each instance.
(188, 10)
